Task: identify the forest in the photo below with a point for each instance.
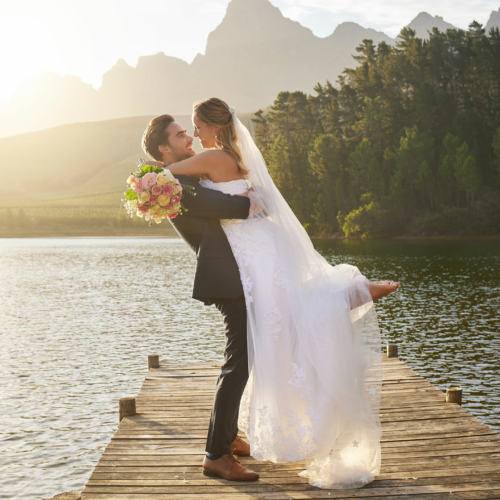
(405, 144)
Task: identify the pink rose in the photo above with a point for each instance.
(156, 190)
(173, 216)
(175, 200)
(153, 200)
(168, 189)
(142, 209)
(169, 206)
(137, 186)
(149, 180)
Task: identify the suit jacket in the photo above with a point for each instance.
(217, 275)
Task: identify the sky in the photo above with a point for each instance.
(86, 37)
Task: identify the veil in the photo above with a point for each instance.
(323, 382)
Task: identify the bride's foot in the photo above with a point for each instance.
(379, 289)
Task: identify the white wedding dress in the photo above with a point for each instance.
(313, 342)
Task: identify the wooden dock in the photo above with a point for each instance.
(431, 449)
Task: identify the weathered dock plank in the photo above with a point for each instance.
(431, 449)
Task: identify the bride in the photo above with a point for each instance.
(313, 339)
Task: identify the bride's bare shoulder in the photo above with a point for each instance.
(219, 162)
(217, 155)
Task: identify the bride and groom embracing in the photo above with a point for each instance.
(302, 369)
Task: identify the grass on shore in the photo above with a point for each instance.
(87, 215)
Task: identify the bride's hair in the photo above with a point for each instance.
(215, 113)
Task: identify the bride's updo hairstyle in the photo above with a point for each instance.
(215, 113)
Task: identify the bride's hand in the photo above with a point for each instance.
(255, 206)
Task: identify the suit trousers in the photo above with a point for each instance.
(231, 383)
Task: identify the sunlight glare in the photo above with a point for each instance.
(28, 49)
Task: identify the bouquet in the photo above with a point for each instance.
(154, 193)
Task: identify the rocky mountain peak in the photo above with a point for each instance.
(424, 22)
(493, 21)
(247, 21)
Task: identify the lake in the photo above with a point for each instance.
(80, 315)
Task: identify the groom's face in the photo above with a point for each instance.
(179, 145)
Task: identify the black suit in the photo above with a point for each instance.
(217, 274)
(217, 281)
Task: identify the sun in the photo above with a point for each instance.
(28, 48)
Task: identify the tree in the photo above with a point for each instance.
(414, 128)
(279, 167)
(326, 167)
(364, 171)
(262, 132)
(446, 170)
(412, 184)
(466, 173)
(496, 151)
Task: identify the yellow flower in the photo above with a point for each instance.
(163, 200)
(161, 179)
(168, 175)
(143, 196)
(155, 208)
(131, 179)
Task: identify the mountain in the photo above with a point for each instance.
(46, 100)
(493, 21)
(424, 23)
(59, 160)
(252, 55)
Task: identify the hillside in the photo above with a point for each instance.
(72, 175)
(76, 159)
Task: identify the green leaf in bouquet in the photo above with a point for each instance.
(130, 195)
(146, 168)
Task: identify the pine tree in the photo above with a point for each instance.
(446, 170)
(466, 173)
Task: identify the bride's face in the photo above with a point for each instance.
(204, 132)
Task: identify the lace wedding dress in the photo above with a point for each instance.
(314, 348)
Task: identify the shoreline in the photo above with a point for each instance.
(157, 232)
(171, 233)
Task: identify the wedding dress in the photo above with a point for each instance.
(313, 342)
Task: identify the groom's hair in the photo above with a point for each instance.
(156, 135)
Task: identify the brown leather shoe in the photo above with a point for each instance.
(240, 447)
(229, 468)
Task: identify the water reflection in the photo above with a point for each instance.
(79, 317)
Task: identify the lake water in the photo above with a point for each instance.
(79, 317)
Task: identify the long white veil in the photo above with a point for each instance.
(314, 390)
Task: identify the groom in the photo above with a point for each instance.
(216, 281)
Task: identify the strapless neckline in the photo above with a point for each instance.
(234, 187)
(208, 181)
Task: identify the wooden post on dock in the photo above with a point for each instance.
(126, 408)
(392, 350)
(70, 495)
(153, 361)
(454, 395)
